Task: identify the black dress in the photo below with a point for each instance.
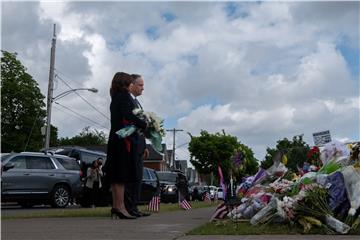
(120, 166)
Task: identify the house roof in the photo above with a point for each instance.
(153, 155)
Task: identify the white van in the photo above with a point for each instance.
(220, 194)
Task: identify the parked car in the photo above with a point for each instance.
(196, 193)
(220, 194)
(31, 178)
(84, 156)
(171, 183)
(212, 191)
(149, 187)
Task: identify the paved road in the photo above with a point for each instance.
(164, 226)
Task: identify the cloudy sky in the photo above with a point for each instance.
(261, 71)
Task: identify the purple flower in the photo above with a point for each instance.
(238, 158)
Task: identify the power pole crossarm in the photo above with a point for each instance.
(174, 130)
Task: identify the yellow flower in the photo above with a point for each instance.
(284, 159)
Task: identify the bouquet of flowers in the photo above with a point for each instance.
(281, 185)
(315, 204)
(314, 156)
(155, 131)
(286, 207)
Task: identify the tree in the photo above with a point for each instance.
(86, 137)
(245, 163)
(208, 151)
(295, 151)
(53, 136)
(22, 107)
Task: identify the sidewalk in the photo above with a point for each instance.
(164, 226)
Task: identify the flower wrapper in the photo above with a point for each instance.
(307, 222)
(352, 185)
(330, 167)
(334, 150)
(126, 131)
(281, 185)
(155, 140)
(338, 200)
(154, 131)
(266, 214)
(260, 176)
(247, 209)
(336, 224)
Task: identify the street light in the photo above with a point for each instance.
(94, 90)
(48, 112)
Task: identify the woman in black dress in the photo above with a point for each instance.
(120, 163)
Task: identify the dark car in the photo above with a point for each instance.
(197, 193)
(31, 178)
(171, 184)
(149, 187)
(84, 156)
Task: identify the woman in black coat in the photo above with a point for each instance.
(120, 163)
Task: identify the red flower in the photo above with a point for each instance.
(314, 155)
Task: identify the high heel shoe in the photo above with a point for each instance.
(118, 214)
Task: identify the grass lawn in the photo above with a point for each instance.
(228, 227)
(96, 212)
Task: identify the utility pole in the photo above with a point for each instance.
(173, 151)
(50, 90)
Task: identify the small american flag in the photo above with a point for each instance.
(220, 212)
(207, 197)
(183, 203)
(154, 204)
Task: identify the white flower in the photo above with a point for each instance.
(352, 211)
(138, 111)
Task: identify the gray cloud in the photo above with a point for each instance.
(261, 71)
(27, 36)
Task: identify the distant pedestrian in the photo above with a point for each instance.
(195, 194)
(93, 181)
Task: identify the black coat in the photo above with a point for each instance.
(121, 159)
(141, 146)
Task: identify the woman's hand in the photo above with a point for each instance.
(145, 154)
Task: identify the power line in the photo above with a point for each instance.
(81, 115)
(32, 128)
(178, 147)
(57, 76)
(183, 152)
(71, 113)
(64, 75)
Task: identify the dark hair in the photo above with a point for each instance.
(120, 82)
(135, 76)
(93, 164)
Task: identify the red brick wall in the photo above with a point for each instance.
(153, 165)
